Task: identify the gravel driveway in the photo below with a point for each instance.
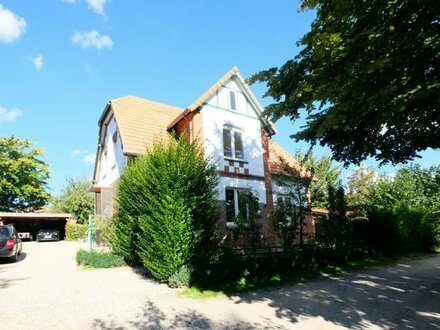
(46, 290)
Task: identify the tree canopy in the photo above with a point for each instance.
(326, 173)
(76, 199)
(367, 77)
(23, 176)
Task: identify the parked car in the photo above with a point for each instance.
(10, 242)
(48, 235)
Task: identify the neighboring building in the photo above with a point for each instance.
(227, 119)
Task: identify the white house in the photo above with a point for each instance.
(227, 119)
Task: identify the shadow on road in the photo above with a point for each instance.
(406, 296)
(21, 257)
(152, 317)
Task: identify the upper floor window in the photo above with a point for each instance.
(232, 143)
(232, 100)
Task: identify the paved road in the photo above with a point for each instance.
(45, 290)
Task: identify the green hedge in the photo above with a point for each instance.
(75, 231)
(230, 267)
(99, 259)
(167, 210)
(402, 230)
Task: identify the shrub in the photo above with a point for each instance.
(99, 259)
(75, 231)
(402, 230)
(285, 222)
(181, 278)
(166, 209)
(104, 230)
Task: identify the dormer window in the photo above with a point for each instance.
(232, 143)
(232, 100)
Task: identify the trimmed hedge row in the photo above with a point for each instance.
(99, 259)
(230, 267)
(75, 231)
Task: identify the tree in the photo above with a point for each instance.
(23, 176)
(360, 184)
(324, 171)
(76, 199)
(167, 209)
(412, 187)
(367, 77)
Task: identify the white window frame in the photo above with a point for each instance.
(234, 92)
(230, 222)
(284, 198)
(233, 131)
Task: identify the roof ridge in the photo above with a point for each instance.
(145, 100)
(199, 101)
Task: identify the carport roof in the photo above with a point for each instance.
(34, 215)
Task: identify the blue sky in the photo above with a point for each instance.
(62, 60)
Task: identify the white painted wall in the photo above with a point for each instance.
(216, 115)
(112, 163)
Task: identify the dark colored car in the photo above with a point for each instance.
(48, 235)
(10, 243)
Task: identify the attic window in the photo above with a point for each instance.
(115, 137)
(232, 100)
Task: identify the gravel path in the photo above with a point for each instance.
(46, 290)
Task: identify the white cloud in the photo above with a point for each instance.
(83, 155)
(37, 61)
(69, 1)
(9, 115)
(92, 39)
(77, 152)
(97, 6)
(89, 159)
(11, 25)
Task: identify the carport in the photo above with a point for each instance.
(31, 223)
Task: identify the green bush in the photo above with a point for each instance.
(402, 230)
(167, 209)
(75, 231)
(285, 221)
(181, 278)
(99, 259)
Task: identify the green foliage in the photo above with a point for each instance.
(336, 229)
(402, 230)
(75, 231)
(403, 210)
(232, 270)
(367, 78)
(326, 173)
(76, 199)
(99, 259)
(412, 187)
(360, 184)
(23, 176)
(181, 278)
(285, 222)
(166, 209)
(104, 230)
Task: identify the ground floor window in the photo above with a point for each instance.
(234, 204)
(285, 199)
